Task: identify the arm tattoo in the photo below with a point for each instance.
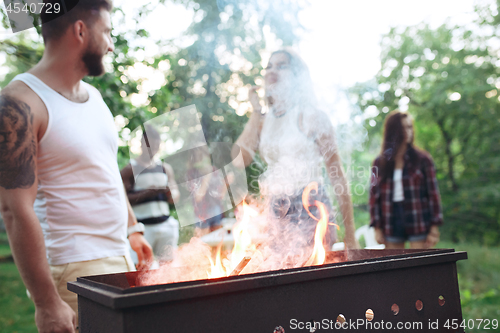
(17, 144)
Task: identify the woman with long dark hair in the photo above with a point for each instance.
(404, 197)
(296, 139)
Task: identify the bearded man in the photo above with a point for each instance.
(61, 194)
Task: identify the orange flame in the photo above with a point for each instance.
(242, 246)
(250, 219)
(242, 239)
(217, 269)
(319, 254)
(305, 201)
(305, 197)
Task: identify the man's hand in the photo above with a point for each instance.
(144, 251)
(379, 236)
(432, 237)
(55, 317)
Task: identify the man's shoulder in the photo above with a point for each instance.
(91, 89)
(17, 89)
(89, 86)
(17, 140)
(17, 98)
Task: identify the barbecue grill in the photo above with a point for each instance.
(393, 287)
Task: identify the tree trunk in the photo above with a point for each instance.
(451, 159)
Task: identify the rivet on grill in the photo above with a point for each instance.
(341, 318)
(441, 300)
(419, 305)
(395, 309)
(369, 314)
(279, 329)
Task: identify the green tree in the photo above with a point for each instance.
(223, 57)
(223, 60)
(448, 79)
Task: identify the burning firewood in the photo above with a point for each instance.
(240, 266)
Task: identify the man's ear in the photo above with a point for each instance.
(80, 31)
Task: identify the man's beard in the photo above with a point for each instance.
(93, 61)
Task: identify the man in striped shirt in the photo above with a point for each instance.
(149, 192)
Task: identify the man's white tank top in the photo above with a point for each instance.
(81, 199)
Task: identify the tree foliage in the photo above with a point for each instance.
(221, 60)
(448, 79)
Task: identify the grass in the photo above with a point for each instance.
(479, 280)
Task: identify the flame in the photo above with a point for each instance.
(305, 201)
(318, 255)
(242, 239)
(250, 218)
(217, 269)
(242, 246)
(305, 197)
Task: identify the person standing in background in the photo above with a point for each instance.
(405, 204)
(295, 138)
(61, 194)
(149, 193)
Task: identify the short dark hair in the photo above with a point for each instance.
(54, 25)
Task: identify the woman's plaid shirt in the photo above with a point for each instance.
(422, 203)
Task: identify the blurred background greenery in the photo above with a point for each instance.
(447, 77)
